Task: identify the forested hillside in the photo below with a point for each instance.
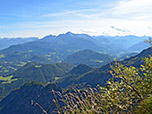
(67, 60)
(32, 72)
(87, 57)
(100, 75)
(28, 98)
(80, 76)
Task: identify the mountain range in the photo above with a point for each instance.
(53, 49)
(95, 76)
(6, 42)
(30, 70)
(22, 100)
(120, 41)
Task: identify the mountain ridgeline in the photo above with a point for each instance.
(87, 57)
(53, 49)
(6, 42)
(101, 75)
(30, 69)
(22, 100)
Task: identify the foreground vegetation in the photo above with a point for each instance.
(129, 91)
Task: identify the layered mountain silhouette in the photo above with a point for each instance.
(67, 60)
(120, 41)
(96, 76)
(139, 47)
(56, 48)
(6, 42)
(33, 72)
(22, 100)
(87, 57)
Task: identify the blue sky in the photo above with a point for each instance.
(25, 18)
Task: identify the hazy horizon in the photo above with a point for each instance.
(73, 33)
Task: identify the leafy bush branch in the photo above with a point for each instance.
(125, 93)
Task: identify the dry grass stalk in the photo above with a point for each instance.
(41, 107)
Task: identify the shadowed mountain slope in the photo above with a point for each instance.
(98, 75)
(87, 57)
(22, 101)
(32, 72)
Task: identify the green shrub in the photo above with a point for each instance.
(127, 90)
(145, 107)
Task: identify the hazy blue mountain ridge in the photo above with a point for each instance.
(121, 41)
(52, 49)
(6, 42)
(99, 75)
(138, 47)
(87, 57)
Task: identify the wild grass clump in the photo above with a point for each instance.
(86, 101)
(124, 93)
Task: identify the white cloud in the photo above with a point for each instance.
(133, 9)
(129, 16)
(72, 12)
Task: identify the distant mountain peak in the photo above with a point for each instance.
(69, 33)
(49, 37)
